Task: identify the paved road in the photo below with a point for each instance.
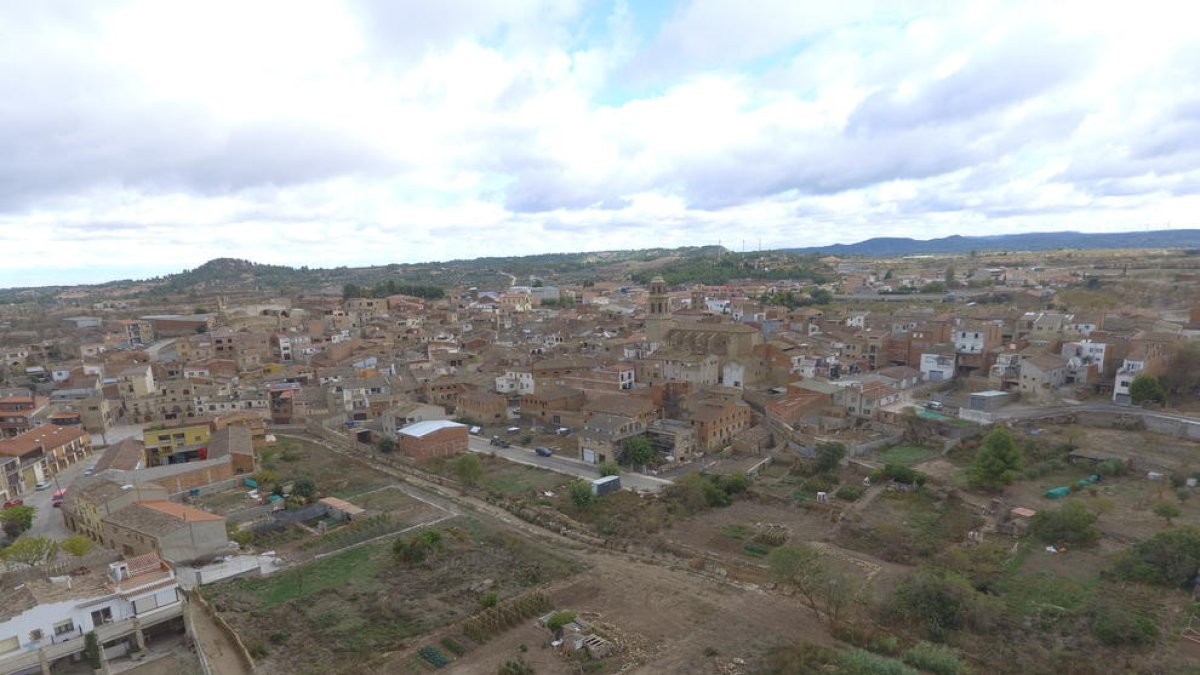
(565, 465)
(1021, 413)
(116, 434)
(155, 348)
(48, 521)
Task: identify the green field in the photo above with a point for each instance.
(906, 454)
(356, 567)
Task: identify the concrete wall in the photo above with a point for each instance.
(200, 539)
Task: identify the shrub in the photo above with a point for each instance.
(453, 647)
(850, 493)
(280, 636)
(860, 662)
(433, 656)
(558, 620)
(1169, 558)
(903, 474)
(735, 483)
(1114, 624)
(257, 649)
(609, 468)
(817, 484)
(489, 599)
(1072, 524)
(933, 659)
(932, 601)
(515, 667)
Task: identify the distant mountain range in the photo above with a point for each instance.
(1032, 241)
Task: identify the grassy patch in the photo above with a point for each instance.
(1045, 592)
(910, 525)
(906, 454)
(736, 531)
(385, 500)
(352, 567)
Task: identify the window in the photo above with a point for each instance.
(102, 616)
(10, 644)
(64, 628)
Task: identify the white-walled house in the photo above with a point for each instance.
(937, 367)
(518, 382)
(47, 619)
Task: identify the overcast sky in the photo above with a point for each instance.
(145, 137)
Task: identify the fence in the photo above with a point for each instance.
(252, 513)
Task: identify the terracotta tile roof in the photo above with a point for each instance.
(46, 437)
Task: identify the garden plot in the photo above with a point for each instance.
(345, 613)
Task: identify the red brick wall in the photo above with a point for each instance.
(440, 443)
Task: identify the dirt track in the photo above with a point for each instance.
(220, 651)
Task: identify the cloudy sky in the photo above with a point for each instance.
(145, 137)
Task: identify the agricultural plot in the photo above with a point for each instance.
(906, 454)
(334, 475)
(906, 527)
(502, 476)
(346, 612)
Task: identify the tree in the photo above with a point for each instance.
(31, 551)
(1147, 388)
(1166, 511)
(821, 296)
(1184, 373)
(306, 489)
(609, 468)
(468, 468)
(17, 519)
(77, 545)
(997, 462)
(637, 451)
(801, 568)
(951, 279)
(828, 592)
(91, 649)
(829, 455)
(1072, 524)
(581, 494)
(386, 445)
(934, 287)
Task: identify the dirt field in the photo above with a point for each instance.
(295, 458)
(665, 622)
(291, 459)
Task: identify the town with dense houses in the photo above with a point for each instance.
(629, 464)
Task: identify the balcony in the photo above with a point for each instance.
(74, 642)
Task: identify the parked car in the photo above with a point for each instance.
(934, 405)
(44, 485)
(13, 502)
(90, 470)
(500, 442)
(543, 451)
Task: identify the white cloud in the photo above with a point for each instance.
(153, 136)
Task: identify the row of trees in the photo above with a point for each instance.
(815, 296)
(37, 551)
(392, 287)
